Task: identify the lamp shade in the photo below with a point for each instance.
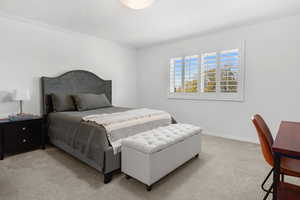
(21, 95)
(137, 4)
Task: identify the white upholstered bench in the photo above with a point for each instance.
(150, 155)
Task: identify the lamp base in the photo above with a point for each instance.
(22, 114)
(21, 107)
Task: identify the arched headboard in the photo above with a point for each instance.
(73, 82)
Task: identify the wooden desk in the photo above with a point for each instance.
(287, 144)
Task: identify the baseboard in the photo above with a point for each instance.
(230, 136)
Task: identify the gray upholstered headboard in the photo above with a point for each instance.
(73, 82)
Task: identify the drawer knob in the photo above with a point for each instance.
(24, 129)
(24, 141)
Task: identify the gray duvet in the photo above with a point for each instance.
(88, 141)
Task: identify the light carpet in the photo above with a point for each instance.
(225, 170)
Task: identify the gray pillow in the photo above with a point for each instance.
(91, 101)
(62, 102)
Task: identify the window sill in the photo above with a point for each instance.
(204, 97)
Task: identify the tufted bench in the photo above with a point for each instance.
(150, 155)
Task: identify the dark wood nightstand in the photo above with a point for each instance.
(21, 136)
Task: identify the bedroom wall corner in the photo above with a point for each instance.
(30, 50)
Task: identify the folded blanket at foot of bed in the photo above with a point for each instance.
(124, 124)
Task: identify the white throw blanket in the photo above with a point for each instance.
(116, 122)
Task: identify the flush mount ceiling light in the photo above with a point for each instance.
(137, 4)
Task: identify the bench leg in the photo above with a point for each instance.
(107, 177)
(128, 177)
(149, 188)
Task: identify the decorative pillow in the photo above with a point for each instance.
(90, 101)
(62, 102)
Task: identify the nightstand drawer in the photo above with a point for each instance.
(22, 136)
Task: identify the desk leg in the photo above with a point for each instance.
(43, 146)
(276, 178)
(1, 152)
(1, 145)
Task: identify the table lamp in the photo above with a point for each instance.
(21, 95)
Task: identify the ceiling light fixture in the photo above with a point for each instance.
(137, 4)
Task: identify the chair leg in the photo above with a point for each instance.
(268, 192)
(264, 182)
(282, 177)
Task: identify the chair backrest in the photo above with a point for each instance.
(265, 138)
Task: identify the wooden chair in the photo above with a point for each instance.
(290, 167)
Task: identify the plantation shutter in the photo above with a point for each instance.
(191, 65)
(229, 71)
(209, 67)
(215, 75)
(176, 75)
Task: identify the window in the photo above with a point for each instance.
(184, 74)
(176, 75)
(209, 72)
(229, 66)
(191, 66)
(214, 75)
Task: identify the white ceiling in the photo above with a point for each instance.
(165, 20)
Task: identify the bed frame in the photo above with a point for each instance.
(80, 81)
(73, 82)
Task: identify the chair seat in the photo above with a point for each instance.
(290, 167)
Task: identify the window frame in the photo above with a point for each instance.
(214, 96)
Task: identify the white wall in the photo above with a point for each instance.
(29, 51)
(272, 85)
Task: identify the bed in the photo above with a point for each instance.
(86, 141)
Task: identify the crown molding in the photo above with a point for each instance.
(50, 27)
